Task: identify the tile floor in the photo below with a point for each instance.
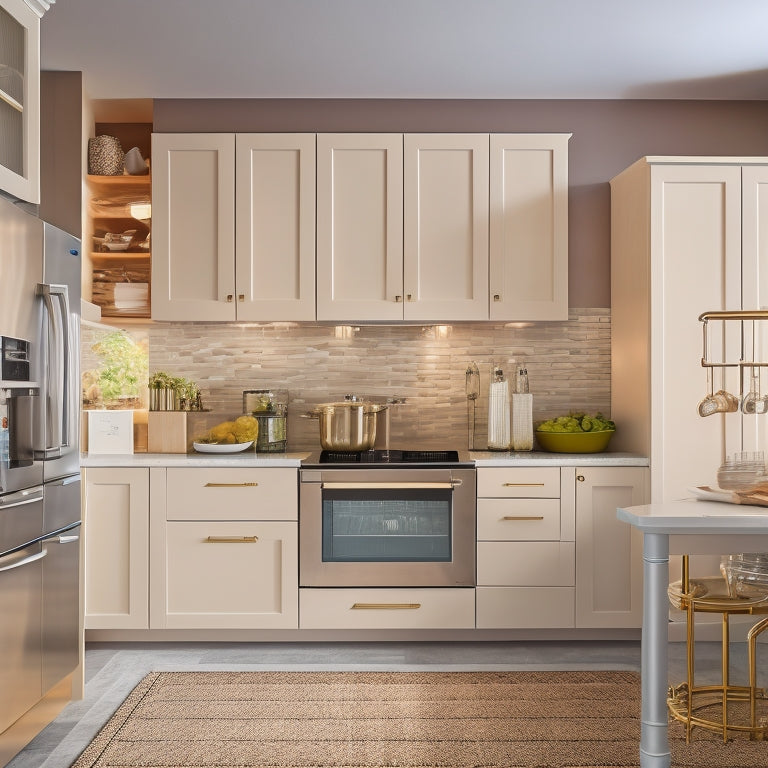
(112, 670)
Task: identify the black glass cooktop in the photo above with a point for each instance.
(388, 457)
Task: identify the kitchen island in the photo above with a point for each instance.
(679, 527)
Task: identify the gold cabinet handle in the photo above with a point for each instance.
(398, 298)
(523, 517)
(230, 297)
(580, 478)
(230, 485)
(232, 539)
(497, 297)
(241, 297)
(409, 297)
(385, 606)
(522, 485)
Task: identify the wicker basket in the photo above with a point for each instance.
(105, 156)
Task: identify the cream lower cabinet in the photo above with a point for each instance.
(525, 549)
(233, 234)
(407, 608)
(225, 551)
(116, 533)
(609, 572)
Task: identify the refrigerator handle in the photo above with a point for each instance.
(58, 370)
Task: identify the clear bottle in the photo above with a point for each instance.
(499, 438)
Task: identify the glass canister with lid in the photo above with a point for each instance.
(270, 410)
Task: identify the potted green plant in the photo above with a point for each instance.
(172, 393)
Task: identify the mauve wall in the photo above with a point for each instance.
(607, 137)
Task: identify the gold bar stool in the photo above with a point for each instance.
(707, 706)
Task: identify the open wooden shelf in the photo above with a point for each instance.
(109, 210)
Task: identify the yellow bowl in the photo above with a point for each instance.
(574, 442)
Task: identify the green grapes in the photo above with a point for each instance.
(578, 422)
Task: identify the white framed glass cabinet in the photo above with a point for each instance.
(20, 99)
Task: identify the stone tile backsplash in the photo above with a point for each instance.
(569, 367)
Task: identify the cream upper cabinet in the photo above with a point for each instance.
(445, 274)
(360, 227)
(686, 239)
(275, 226)
(233, 227)
(529, 226)
(193, 227)
(20, 99)
(609, 570)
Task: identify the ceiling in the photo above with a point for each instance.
(485, 49)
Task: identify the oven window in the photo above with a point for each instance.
(387, 526)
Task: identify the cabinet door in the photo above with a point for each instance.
(116, 548)
(275, 226)
(529, 227)
(20, 100)
(754, 288)
(193, 233)
(446, 227)
(359, 227)
(229, 575)
(696, 268)
(609, 573)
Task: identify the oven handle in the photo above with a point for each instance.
(450, 485)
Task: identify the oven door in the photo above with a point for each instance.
(387, 528)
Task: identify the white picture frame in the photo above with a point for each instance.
(110, 431)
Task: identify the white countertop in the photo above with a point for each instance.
(242, 459)
(252, 459)
(545, 459)
(688, 516)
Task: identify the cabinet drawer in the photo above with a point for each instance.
(387, 608)
(521, 482)
(518, 519)
(526, 564)
(232, 493)
(525, 607)
(232, 575)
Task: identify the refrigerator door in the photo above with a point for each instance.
(21, 268)
(21, 574)
(61, 605)
(60, 349)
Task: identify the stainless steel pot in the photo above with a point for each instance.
(347, 426)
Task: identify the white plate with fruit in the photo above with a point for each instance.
(221, 447)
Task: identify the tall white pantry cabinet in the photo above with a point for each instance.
(687, 238)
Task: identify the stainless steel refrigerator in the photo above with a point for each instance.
(39, 458)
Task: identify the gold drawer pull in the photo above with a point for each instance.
(232, 539)
(523, 517)
(230, 485)
(522, 485)
(385, 606)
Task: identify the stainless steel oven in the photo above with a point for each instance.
(385, 522)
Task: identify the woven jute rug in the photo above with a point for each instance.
(403, 719)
